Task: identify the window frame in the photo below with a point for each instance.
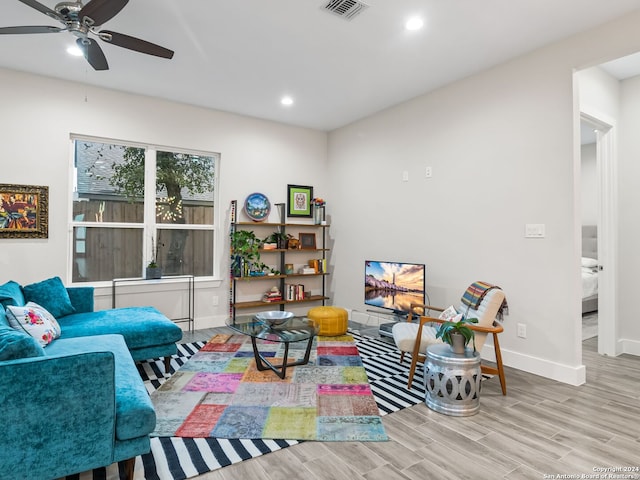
(149, 226)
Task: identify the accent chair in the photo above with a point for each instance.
(419, 331)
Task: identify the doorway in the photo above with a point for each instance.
(601, 192)
(589, 220)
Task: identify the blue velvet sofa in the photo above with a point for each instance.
(77, 403)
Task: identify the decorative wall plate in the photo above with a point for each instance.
(257, 207)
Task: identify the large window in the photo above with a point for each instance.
(136, 204)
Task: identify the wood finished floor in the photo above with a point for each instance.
(540, 427)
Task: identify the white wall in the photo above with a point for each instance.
(599, 94)
(39, 114)
(629, 218)
(491, 176)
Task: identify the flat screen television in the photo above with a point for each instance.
(393, 285)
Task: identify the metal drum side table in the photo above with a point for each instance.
(452, 381)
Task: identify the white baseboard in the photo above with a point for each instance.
(210, 322)
(562, 373)
(626, 345)
(538, 366)
(371, 319)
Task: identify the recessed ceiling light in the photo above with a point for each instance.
(286, 101)
(414, 23)
(75, 51)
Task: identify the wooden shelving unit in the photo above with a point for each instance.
(279, 280)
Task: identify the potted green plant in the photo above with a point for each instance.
(279, 238)
(245, 254)
(153, 270)
(457, 334)
(245, 250)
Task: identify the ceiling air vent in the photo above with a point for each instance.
(346, 9)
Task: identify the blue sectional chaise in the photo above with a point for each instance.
(78, 403)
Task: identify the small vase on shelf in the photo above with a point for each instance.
(318, 211)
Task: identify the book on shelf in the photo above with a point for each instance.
(271, 298)
(293, 292)
(273, 295)
(319, 265)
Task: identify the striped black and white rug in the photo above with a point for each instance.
(180, 458)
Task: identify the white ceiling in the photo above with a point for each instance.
(242, 55)
(625, 67)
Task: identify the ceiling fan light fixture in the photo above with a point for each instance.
(74, 51)
(82, 22)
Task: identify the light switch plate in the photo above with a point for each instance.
(534, 230)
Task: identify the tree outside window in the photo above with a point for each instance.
(109, 194)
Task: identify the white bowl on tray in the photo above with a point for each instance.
(274, 317)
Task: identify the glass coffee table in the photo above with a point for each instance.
(296, 329)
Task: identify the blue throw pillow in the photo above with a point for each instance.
(50, 294)
(15, 344)
(11, 294)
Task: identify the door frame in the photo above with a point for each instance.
(606, 167)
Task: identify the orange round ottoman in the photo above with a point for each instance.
(331, 320)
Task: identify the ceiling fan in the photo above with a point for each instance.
(83, 20)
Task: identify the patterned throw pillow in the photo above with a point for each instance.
(46, 314)
(35, 321)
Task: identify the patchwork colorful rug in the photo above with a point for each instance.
(220, 393)
(180, 458)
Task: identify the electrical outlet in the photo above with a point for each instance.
(428, 173)
(215, 300)
(522, 330)
(405, 176)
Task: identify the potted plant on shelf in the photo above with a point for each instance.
(153, 270)
(245, 255)
(277, 238)
(457, 334)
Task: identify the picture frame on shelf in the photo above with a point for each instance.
(24, 211)
(299, 201)
(308, 241)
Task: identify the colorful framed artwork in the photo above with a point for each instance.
(299, 201)
(24, 211)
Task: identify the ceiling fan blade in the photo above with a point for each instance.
(93, 53)
(34, 29)
(133, 43)
(100, 11)
(42, 8)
